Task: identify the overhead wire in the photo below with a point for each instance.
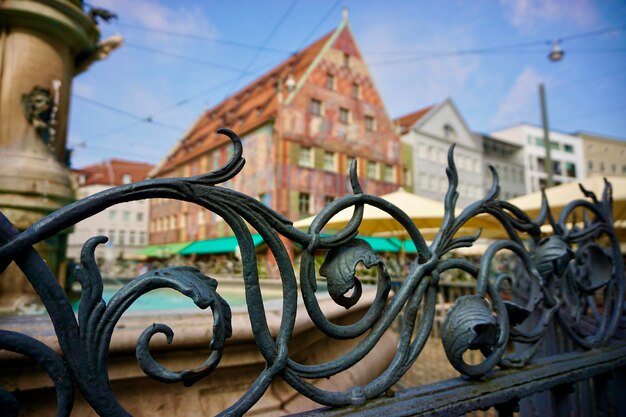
(317, 26)
(233, 85)
(147, 119)
(206, 38)
(494, 49)
(175, 105)
(500, 49)
(187, 58)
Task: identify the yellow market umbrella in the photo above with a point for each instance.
(424, 212)
(560, 195)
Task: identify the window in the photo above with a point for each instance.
(304, 203)
(449, 132)
(100, 232)
(602, 166)
(614, 168)
(82, 179)
(122, 237)
(356, 90)
(541, 165)
(330, 81)
(126, 215)
(112, 214)
(344, 115)
(372, 169)
(590, 165)
(330, 162)
(201, 219)
(139, 217)
(441, 157)
(568, 148)
(328, 199)
(346, 60)
(131, 237)
(623, 169)
(127, 179)
(389, 174)
(570, 169)
(369, 123)
(142, 238)
(305, 158)
(111, 236)
(172, 222)
(315, 107)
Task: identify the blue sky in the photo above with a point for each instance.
(411, 47)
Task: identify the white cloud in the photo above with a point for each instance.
(174, 17)
(521, 102)
(527, 15)
(407, 86)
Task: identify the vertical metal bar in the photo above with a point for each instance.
(546, 139)
(508, 408)
(560, 400)
(601, 387)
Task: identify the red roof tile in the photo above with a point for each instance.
(111, 172)
(405, 122)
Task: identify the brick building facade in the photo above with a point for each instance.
(301, 124)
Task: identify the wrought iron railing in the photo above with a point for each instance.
(574, 278)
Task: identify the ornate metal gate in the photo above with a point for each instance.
(574, 279)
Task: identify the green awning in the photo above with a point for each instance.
(409, 246)
(164, 250)
(382, 244)
(379, 244)
(219, 245)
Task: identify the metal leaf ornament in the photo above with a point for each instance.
(339, 268)
(469, 324)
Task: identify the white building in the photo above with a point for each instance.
(508, 160)
(429, 132)
(566, 152)
(126, 225)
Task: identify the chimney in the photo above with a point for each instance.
(344, 14)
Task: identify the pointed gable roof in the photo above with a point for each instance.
(112, 171)
(407, 121)
(249, 108)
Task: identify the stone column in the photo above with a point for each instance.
(43, 45)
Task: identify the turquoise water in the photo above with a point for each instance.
(166, 299)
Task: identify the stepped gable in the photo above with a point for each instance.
(242, 112)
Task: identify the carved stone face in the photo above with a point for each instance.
(40, 102)
(37, 106)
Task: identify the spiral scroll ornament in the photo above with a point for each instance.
(572, 277)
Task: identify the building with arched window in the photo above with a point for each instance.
(427, 135)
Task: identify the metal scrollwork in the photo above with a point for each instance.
(567, 275)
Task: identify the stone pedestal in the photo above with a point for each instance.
(43, 44)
